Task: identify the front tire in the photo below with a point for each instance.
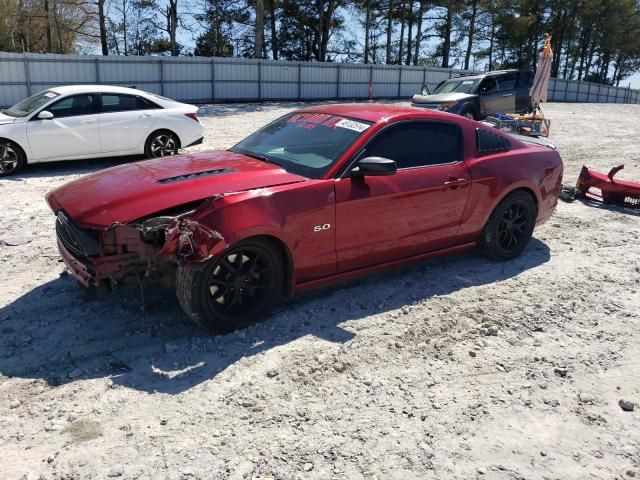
(235, 289)
(162, 143)
(510, 227)
(12, 158)
(469, 113)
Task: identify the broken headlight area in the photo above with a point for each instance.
(190, 241)
(94, 256)
(153, 245)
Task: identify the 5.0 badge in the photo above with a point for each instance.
(319, 228)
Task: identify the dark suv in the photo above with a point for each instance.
(476, 96)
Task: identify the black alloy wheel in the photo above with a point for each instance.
(512, 229)
(509, 227)
(236, 289)
(240, 282)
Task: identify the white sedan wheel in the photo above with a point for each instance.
(163, 145)
(9, 159)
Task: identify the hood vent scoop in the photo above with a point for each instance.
(191, 176)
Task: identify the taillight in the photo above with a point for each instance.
(192, 116)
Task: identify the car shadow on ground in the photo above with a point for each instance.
(50, 333)
(611, 208)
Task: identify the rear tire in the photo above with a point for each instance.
(469, 113)
(234, 290)
(12, 158)
(161, 143)
(509, 227)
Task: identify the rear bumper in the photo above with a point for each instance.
(197, 142)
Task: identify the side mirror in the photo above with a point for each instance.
(425, 90)
(45, 115)
(374, 167)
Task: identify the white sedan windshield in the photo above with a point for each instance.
(29, 105)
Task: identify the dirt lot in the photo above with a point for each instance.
(454, 369)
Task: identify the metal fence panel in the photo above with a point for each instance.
(190, 92)
(386, 75)
(319, 73)
(246, 90)
(200, 79)
(279, 91)
(318, 91)
(191, 71)
(354, 90)
(281, 72)
(11, 94)
(62, 71)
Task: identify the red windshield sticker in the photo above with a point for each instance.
(311, 120)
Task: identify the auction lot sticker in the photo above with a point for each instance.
(352, 125)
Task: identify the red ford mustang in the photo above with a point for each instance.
(323, 194)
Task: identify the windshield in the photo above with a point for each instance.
(303, 143)
(29, 105)
(458, 86)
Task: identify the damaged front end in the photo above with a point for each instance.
(152, 245)
(604, 188)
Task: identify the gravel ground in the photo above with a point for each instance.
(458, 368)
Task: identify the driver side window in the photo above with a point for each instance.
(73, 106)
(489, 86)
(417, 144)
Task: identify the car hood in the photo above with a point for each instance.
(5, 119)
(442, 97)
(129, 192)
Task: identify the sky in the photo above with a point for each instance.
(633, 80)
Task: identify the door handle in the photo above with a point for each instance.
(456, 182)
(508, 95)
(144, 116)
(87, 122)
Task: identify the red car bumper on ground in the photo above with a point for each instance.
(604, 188)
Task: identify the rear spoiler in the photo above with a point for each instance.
(534, 140)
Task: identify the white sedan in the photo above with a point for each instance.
(90, 121)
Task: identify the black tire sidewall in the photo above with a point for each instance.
(469, 110)
(490, 242)
(211, 319)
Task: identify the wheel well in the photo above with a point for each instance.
(472, 108)
(161, 130)
(526, 190)
(529, 191)
(13, 142)
(287, 259)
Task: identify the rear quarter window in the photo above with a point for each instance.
(488, 142)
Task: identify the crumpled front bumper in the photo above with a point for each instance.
(91, 271)
(82, 270)
(83, 252)
(604, 188)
